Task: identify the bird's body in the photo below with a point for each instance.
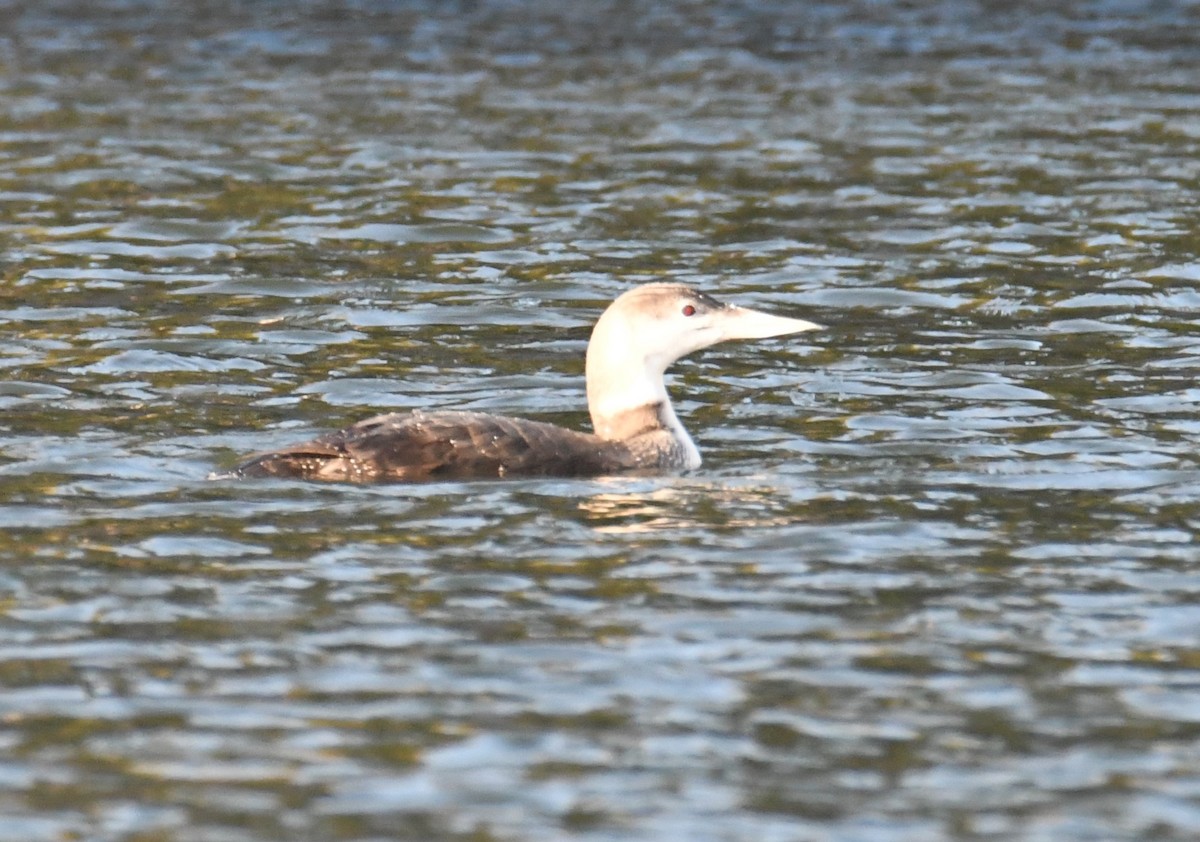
(421, 446)
(636, 430)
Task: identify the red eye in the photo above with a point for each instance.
(689, 310)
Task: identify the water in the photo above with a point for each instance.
(936, 580)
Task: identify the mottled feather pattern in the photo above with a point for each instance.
(417, 446)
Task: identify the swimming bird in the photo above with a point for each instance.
(635, 428)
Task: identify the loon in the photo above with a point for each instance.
(636, 431)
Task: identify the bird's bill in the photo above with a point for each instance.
(744, 323)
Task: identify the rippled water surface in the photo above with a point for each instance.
(937, 579)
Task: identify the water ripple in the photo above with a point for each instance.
(934, 581)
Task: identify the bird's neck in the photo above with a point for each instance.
(636, 421)
(627, 399)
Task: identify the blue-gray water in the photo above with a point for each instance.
(936, 581)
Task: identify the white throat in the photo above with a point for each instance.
(627, 395)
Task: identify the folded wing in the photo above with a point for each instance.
(422, 446)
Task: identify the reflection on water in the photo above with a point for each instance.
(934, 582)
(684, 506)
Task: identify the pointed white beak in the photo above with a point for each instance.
(744, 323)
